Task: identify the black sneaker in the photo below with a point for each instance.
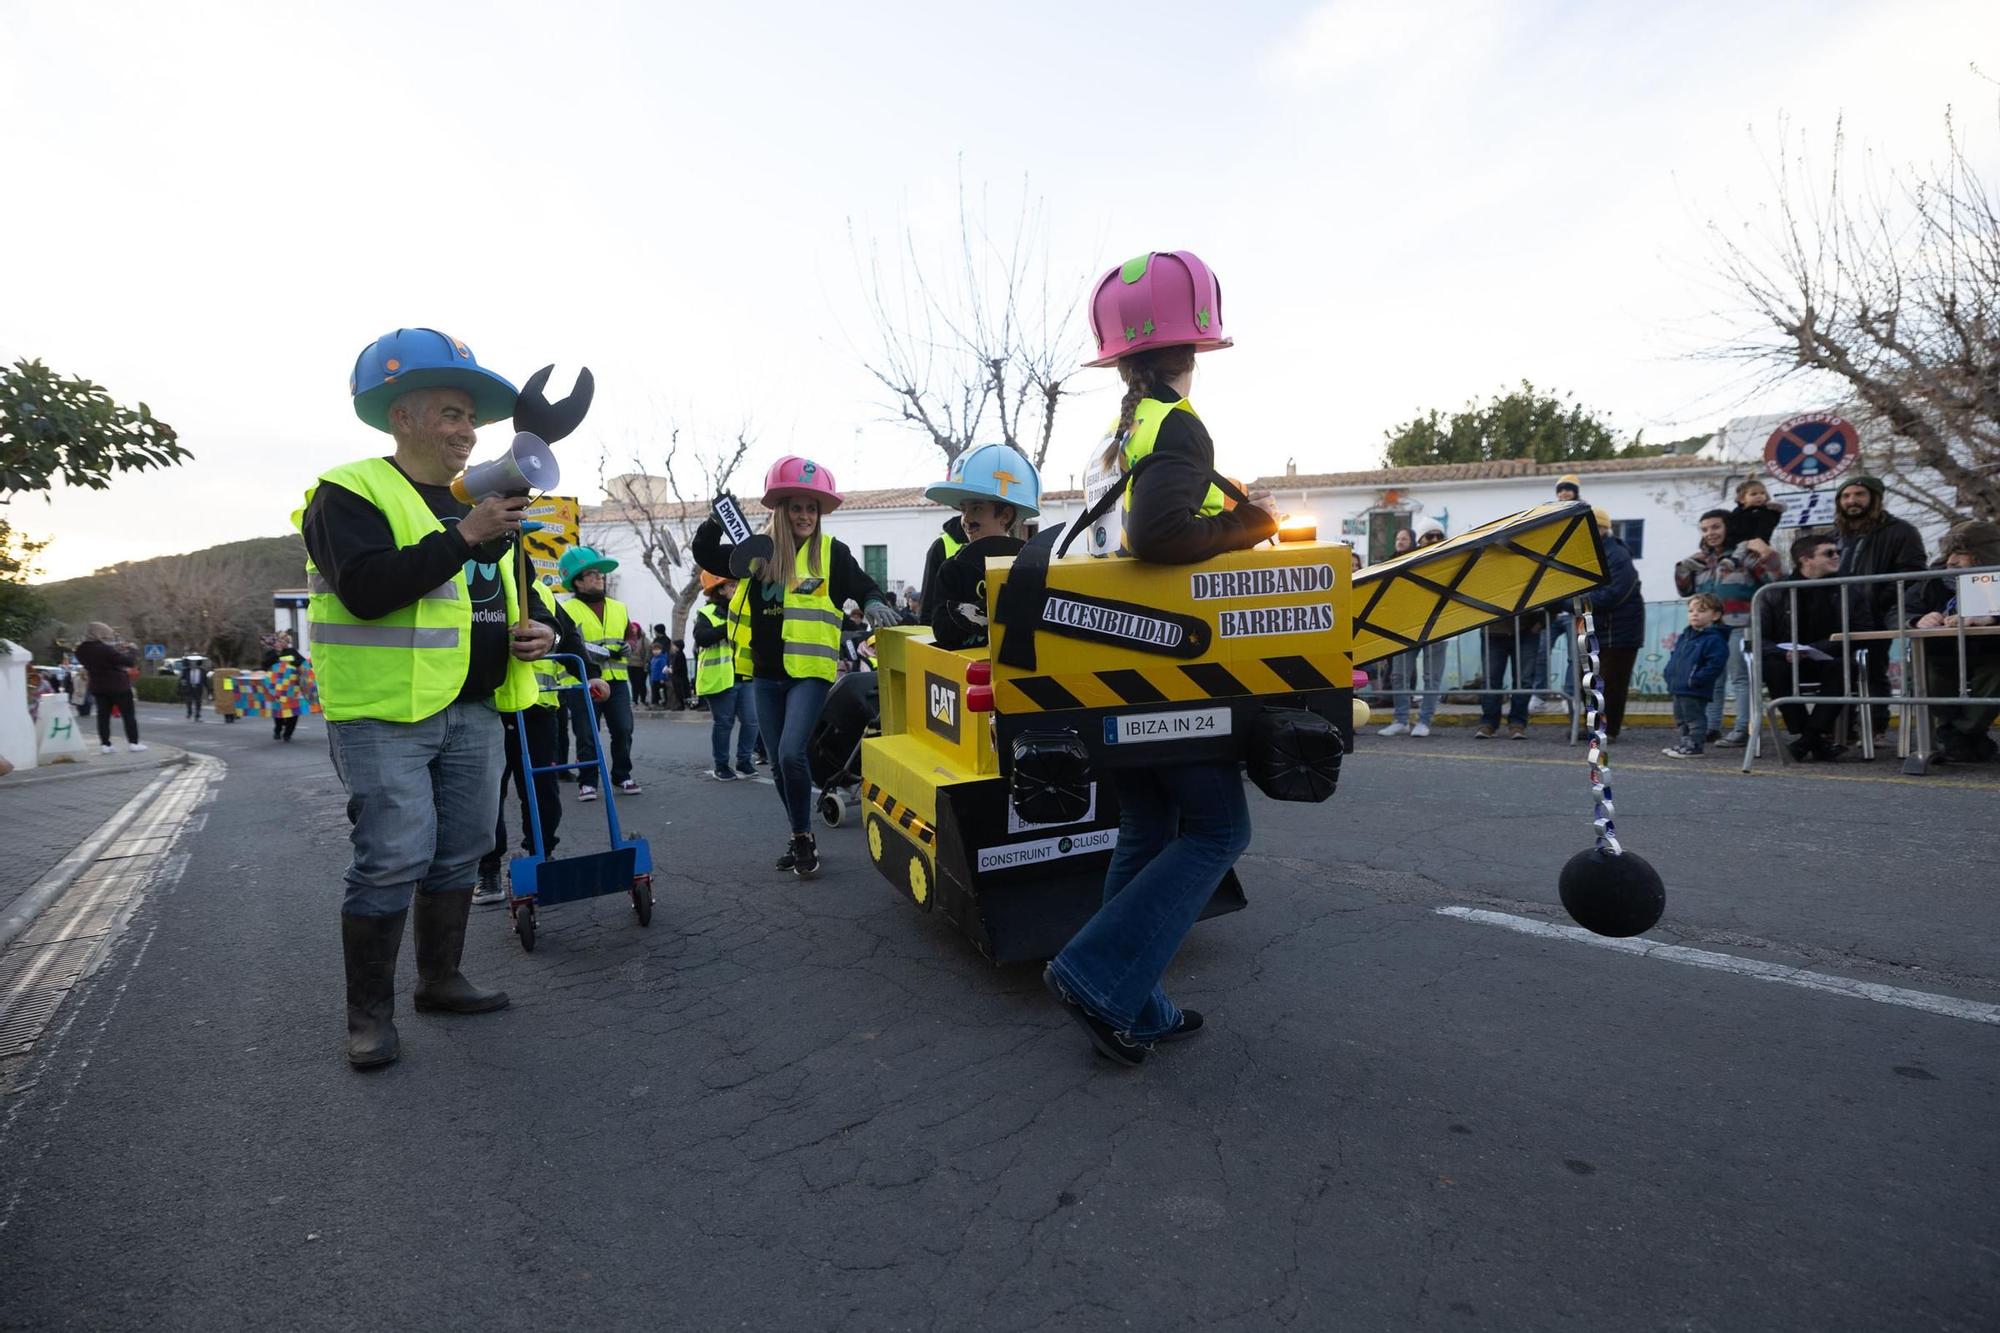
(746, 768)
(489, 891)
(1712, 737)
(721, 774)
(788, 860)
(1109, 1043)
(1189, 1025)
(805, 856)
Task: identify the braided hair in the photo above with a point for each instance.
(1143, 373)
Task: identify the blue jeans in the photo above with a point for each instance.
(420, 798)
(1402, 668)
(1529, 668)
(727, 709)
(1734, 680)
(786, 712)
(614, 712)
(1181, 827)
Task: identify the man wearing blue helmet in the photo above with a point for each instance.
(994, 488)
(419, 636)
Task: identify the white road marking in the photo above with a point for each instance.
(1946, 1005)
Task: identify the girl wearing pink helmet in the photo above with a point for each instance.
(1181, 826)
(797, 582)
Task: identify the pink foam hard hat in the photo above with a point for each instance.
(1167, 298)
(792, 475)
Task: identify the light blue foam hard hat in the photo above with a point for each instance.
(407, 359)
(996, 472)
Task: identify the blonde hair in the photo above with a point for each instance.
(1143, 373)
(784, 559)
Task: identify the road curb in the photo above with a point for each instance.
(46, 890)
(170, 756)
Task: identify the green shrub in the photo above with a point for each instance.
(158, 689)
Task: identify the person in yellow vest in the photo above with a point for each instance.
(731, 704)
(602, 622)
(1181, 825)
(791, 601)
(416, 644)
(543, 722)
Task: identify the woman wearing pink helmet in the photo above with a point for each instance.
(1181, 826)
(797, 582)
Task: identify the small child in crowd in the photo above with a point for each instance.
(1755, 517)
(1699, 658)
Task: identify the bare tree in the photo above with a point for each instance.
(211, 602)
(976, 344)
(1889, 291)
(655, 508)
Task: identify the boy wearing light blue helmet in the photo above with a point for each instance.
(993, 487)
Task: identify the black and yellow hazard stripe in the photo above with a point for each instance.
(1172, 684)
(902, 816)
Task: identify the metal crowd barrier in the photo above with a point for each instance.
(1402, 673)
(1915, 707)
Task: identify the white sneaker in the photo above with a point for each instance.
(629, 786)
(1393, 729)
(135, 745)
(106, 747)
(585, 792)
(1535, 704)
(1421, 729)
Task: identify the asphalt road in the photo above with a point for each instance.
(811, 1106)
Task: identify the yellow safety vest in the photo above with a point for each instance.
(739, 628)
(1147, 419)
(608, 631)
(952, 546)
(812, 622)
(410, 664)
(715, 667)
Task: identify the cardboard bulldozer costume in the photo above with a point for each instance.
(984, 791)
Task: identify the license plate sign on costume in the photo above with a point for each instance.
(1014, 855)
(1189, 724)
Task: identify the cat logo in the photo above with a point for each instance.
(941, 705)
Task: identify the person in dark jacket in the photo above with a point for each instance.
(1181, 825)
(948, 544)
(1874, 541)
(110, 666)
(1813, 664)
(1618, 609)
(1700, 654)
(1961, 731)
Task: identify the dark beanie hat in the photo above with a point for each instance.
(1873, 484)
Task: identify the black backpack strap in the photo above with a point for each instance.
(1026, 591)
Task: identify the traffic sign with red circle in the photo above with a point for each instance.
(1812, 449)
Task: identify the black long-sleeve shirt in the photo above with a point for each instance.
(354, 549)
(1163, 526)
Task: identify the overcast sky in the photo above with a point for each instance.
(214, 207)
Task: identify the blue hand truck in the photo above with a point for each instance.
(537, 880)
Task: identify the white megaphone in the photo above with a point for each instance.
(528, 465)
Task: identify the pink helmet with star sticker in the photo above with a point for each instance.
(1167, 298)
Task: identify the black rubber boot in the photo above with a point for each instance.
(371, 944)
(440, 944)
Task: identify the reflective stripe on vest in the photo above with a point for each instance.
(410, 664)
(1147, 419)
(715, 667)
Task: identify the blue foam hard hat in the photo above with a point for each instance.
(407, 359)
(996, 472)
